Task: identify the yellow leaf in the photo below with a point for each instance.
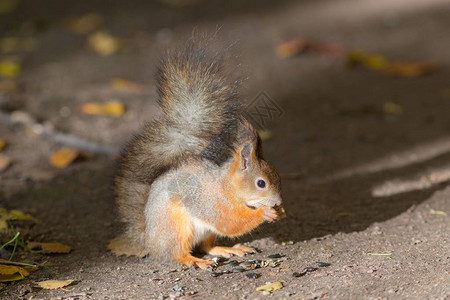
(9, 44)
(7, 6)
(9, 68)
(5, 162)
(111, 108)
(54, 284)
(121, 84)
(84, 24)
(104, 43)
(392, 108)
(3, 225)
(12, 273)
(370, 61)
(410, 69)
(18, 215)
(265, 134)
(50, 247)
(64, 157)
(2, 144)
(270, 287)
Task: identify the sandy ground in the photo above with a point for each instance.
(335, 145)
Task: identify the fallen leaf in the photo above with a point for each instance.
(392, 108)
(265, 134)
(7, 6)
(104, 43)
(54, 284)
(27, 267)
(7, 86)
(3, 225)
(15, 214)
(292, 47)
(270, 287)
(64, 157)
(5, 162)
(50, 247)
(84, 24)
(9, 44)
(12, 273)
(121, 84)
(18, 215)
(410, 69)
(370, 61)
(28, 44)
(438, 212)
(9, 68)
(2, 144)
(111, 108)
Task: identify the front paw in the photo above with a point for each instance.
(269, 213)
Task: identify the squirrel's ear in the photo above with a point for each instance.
(247, 154)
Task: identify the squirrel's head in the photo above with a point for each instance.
(254, 180)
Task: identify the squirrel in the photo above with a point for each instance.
(198, 171)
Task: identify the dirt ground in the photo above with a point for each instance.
(366, 190)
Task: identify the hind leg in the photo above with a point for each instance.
(238, 249)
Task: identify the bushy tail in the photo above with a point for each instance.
(200, 114)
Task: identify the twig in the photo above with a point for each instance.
(46, 131)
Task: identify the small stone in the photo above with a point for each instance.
(238, 270)
(252, 275)
(266, 293)
(275, 256)
(214, 274)
(232, 263)
(246, 264)
(310, 269)
(323, 264)
(297, 274)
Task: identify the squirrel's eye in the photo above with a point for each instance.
(261, 183)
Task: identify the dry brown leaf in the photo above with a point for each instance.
(9, 68)
(12, 273)
(50, 247)
(54, 284)
(122, 246)
(64, 157)
(2, 144)
(111, 108)
(84, 24)
(7, 86)
(270, 287)
(5, 162)
(291, 47)
(410, 69)
(121, 84)
(104, 43)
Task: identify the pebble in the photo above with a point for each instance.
(310, 269)
(232, 263)
(246, 264)
(323, 264)
(297, 274)
(238, 270)
(214, 274)
(252, 275)
(275, 256)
